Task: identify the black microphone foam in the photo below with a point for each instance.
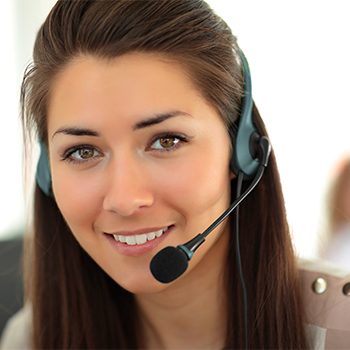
(169, 264)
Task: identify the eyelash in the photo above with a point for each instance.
(181, 139)
(68, 153)
(170, 135)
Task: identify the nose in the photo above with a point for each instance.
(127, 188)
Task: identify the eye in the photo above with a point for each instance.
(81, 154)
(167, 142)
(84, 153)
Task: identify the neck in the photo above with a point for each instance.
(191, 312)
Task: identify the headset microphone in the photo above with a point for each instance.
(171, 262)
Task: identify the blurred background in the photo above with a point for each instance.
(299, 58)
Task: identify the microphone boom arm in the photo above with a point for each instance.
(191, 246)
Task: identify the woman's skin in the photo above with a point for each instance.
(134, 148)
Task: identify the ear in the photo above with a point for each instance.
(232, 175)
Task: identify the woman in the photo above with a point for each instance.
(137, 104)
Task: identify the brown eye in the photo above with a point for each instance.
(81, 154)
(86, 153)
(167, 142)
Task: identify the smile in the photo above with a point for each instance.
(140, 239)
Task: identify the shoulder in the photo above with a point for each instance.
(16, 332)
(326, 296)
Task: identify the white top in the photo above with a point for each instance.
(16, 332)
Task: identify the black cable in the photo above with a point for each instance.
(234, 205)
(239, 263)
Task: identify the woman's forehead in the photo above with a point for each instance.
(129, 87)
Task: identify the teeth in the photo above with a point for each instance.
(151, 236)
(159, 233)
(130, 240)
(139, 239)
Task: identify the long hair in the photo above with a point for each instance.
(72, 298)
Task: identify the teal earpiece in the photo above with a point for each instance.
(244, 145)
(43, 173)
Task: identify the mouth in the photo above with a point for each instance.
(140, 242)
(140, 238)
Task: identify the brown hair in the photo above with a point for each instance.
(63, 280)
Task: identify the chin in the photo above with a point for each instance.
(144, 285)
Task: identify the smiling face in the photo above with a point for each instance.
(139, 161)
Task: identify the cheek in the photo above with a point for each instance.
(197, 183)
(77, 197)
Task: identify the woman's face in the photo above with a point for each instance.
(138, 153)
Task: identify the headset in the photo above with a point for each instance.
(43, 172)
(244, 157)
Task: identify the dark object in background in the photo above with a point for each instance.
(11, 286)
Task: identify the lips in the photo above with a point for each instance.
(139, 239)
(135, 243)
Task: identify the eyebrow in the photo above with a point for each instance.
(76, 131)
(158, 118)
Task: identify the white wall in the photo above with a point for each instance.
(299, 57)
(19, 22)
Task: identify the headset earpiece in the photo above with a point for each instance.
(245, 144)
(43, 173)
